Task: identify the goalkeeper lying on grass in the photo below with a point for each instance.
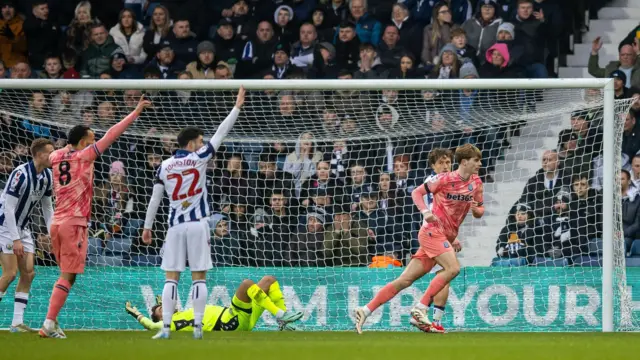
(247, 305)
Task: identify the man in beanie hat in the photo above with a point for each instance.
(619, 87)
(345, 241)
(482, 29)
(518, 239)
(204, 66)
(307, 249)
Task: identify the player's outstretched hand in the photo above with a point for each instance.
(146, 237)
(132, 310)
(430, 218)
(142, 104)
(240, 98)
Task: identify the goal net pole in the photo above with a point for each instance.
(609, 155)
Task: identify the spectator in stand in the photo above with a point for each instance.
(78, 34)
(531, 30)
(378, 223)
(257, 54)
(302, 162)
(409, 31)
(269, 178)
(203, 67)
(274, 225)
(628, 62)
(3, 71)
(586, 207)
(482, 29)
(561, 231)
(518, 239)
(69, 59)
(324, 63)
(635, 171)
(166, 63)
(223, 71)
(448, 64)
(128, 34)
(159, 29)
(630, 136)
(325, 30)
(336, 12)
(345, 242)
(43, 35)
(356, 183)
(368, 28)
(183, 41)
(408, 69)
(52, 68)
(370, 64)
(322, 179)
(228, 48)
(540, 190)
(498, 66)
(6, 167)
(284, 27)
(437, 34)
(243, 25)
(306, 249)
(630, 210)
(302, 52)
(620, 90)
(389, 50)
(13, 42)
(224, 247)
(464, 51)
(121, 69)
(282, 67)
(96, 59)
(347, 47)
(422, 11)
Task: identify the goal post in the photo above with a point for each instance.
(371, 138)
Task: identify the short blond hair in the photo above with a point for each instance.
(467, 152)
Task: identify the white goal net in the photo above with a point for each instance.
(313, 186)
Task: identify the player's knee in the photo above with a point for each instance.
(28, 276)
(454, 271)
(9, 274)
(403, 283)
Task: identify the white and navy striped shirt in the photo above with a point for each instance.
(428, 198)
(184, 178)
(27, 189)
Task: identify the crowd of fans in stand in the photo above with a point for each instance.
(315, 202)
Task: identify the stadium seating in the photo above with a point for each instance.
(509, 262)
(540, 261)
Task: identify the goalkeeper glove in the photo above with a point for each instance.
(158, 299)
(132, 310)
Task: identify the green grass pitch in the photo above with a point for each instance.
(323, 345)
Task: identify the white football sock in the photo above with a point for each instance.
(19, 304)
(438, 312)
(169, 298)
(199, 299)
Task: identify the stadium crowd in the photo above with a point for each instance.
(317, 202)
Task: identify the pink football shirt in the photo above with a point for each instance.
(452, 198)
(73, 183)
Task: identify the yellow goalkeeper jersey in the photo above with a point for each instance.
(183, 320)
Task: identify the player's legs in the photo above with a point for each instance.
(416, 269)
(269, 284)
(27, 274)
(70, 249)
(174, 258)
(451, 269)
(199, 255)
(439, 303)
(9, 263)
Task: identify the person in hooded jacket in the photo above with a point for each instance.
(320, 20)
(518, 238)
(482, 29)
(302, 162)
(204, 66)
(285, 29)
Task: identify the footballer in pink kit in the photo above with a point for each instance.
(73, 189)
(454, 194)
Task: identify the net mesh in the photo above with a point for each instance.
(315, 186)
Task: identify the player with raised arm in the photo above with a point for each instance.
(247, 306)
(28, 184)
(73, 168)
(440, 162)
(183, 177)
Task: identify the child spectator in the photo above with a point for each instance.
(466, 53)
(517, 239)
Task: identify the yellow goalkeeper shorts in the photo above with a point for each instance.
(241, 316)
